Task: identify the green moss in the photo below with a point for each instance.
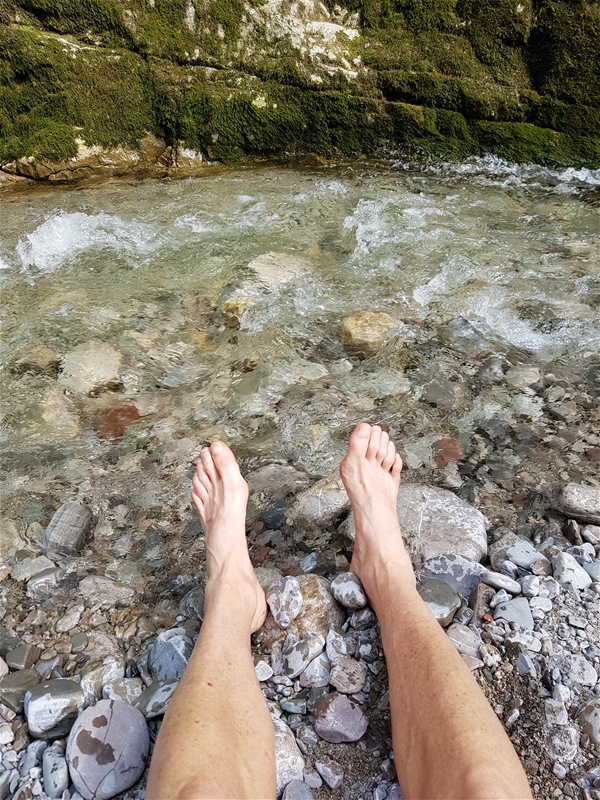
(495, 26)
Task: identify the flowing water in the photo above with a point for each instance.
(484, 264)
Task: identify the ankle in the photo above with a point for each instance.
(387, 577)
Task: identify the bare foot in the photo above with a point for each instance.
(220, 495)
(370, 472)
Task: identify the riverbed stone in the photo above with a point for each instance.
(593, 570)
(340, 719)
(285, 600)
(23, 657)
(91, 367)
(107, 749)
(297, 790)
(316, 673)
(580, 501)
(15, 685)
(299, 655)
(154, 700)
(500, 581)
(435, 522)
(320, 505)
(519, 551)
(98, 672)
(67, 530)
(517, 611)
(169, 655)
(347, 590)
(126, 689)
(337, 645)
(466, 640)
(26, 568)
(55, 771)
(348, 675)
(580, 670)
(101, 592)
(567, 570)
(441, 599)
(366, 331)
(589, 719)
(52, 706)
(44, 583)
(331, 772)
(460, 573)
(191, 604)
(275, 269)
(289, 761)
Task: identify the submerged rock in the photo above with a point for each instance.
(320, 505)
(275, 269)
(170, 654)
(67, 530)
(91, 367)
(107, 749)
(366, 331)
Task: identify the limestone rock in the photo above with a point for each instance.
(289, 761)
(297, 790)
(459, 573)
(347, 590)
(331, 772)
(435, 521)
(275, 269)
(299, 655)
(285, 600)
(126, 689)
(340, 719)
(517, 611)
(466, 640)
(567, 570)
(101, 592)
(91, 367)
(67, 530)
(54, 771)
(320, 505)
(107, 749)
(154, 700)
(579, 501)
(366, 331)
(51, 708)
(589, 719)
(441, 599)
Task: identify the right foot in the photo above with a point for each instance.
(370, 471)
(220, 495)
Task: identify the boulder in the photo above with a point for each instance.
(91, 367)
(579, 501)
(289, 761)
(366, 331)
(434, 522)
(320, 505)
(51, 708)
(107, 749)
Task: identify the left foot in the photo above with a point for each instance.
(220, 495)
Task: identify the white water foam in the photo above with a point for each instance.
(63, 236)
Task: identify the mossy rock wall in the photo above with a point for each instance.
(235, 78)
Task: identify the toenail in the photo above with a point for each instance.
(216, 447)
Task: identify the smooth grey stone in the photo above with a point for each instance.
(51, 708)
(567, 570)
(466, 640)
(297, 790)
(289, 761)
(501, 596)
(23, 657)
(285, 600)
(319, 505)
(44, 584)
(67, 530)
(55, 772)
(169, 655)
(107, 749)
(8, 642)
(580, 501)
(14, 686)
(191, 605)
(580, 670)
(154, 700)
(33, 756)
(347, 590)
(441, 599)
(79, 641)
(543, 604)
(500, 581)
(293, 705)
(312, 779)
(593, 570)
(297, 657)
(589, 719)
(464, 615)
(331, 772)
(340, 719)
(434, 522)
(516, 611)
(458, 572)
(530, 585)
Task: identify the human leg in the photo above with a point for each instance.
(217, 739)
(448, 742)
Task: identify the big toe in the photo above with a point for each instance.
(359, 439)
(224, 460)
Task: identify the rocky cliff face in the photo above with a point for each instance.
(84, 82)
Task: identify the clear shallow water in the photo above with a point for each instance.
(147, 267)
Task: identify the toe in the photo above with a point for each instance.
(373, 445)
(208, 464)
(200, 490)
(199, 505)
(359, 439)
(397, 468)
(390, 457)
(224, 460)
(384, 443)
(202, 476)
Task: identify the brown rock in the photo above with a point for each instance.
(39, 359)
(113, 423)
(447, 451)
(340, 719)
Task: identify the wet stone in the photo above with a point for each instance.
(285, 600)
(8, 642)
(348, 675)
(567, 570)
(14, 686)
(169, 655)
(516, 611)
(91, 367)
(340, 719)
(107, 749)
(297, 657)
(101, 592)
(55, 772)
(23, 657)
(52, 706)
(154, 700)
(44, 584)
(79, 641)
(297, 790)
(27, 568)
(331, 772)
(441, 599)
(67, 531)
(320, 505)
(347, 590)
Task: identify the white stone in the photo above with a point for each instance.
(289, 761)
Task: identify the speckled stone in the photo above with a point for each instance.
(51, 708)
(348, 675)
(285, 600)
(460, 573)
(316, 673)
(441, 599)
(55, 771)
(347, 590)
(289, 761)
(98, 672)
(297, 657)
(580, 501)
(340, 719)
(107, 749)
(169, 655)
(337, 645)
(154, 700)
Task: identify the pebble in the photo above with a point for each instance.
(362, 619)
(331, 772)
(191, 604)
(23, 657)
(441, 599)
(169, 655)
(517, 611)
(556, 713)
(33, 756)
(312, 777)
(338, 645)
(44, 583)
(3, 668)
(317, 673)
(297, 657)
(530, 585)
(348, 675)
(55, 771)
(69, 620)
(263, 671)
(7, 735)
(98, 672)
(285, 600)
(107, 749)
(580, 670)
(466, 640)
(67, 530)
(340, 719)
(347, 590)
(79, 641)
(319, 505)
(593, 570)
(500, 581)
(52, 706)
(14, 686)
(101, 592)
(297, 790)
(567, 570)
(154, 700)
